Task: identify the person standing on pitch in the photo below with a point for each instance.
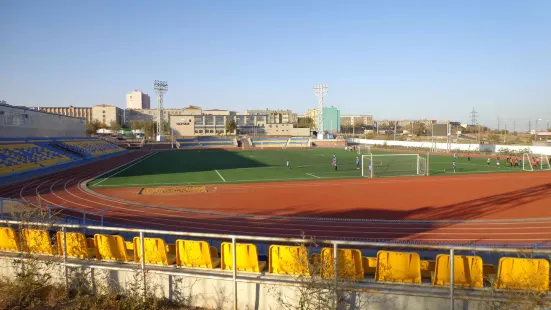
(335, 162)
(357, 162)
(454, 166)
(288, 164)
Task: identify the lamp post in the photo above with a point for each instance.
(536, 131)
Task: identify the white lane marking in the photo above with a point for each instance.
(315, 176)
(221, 177)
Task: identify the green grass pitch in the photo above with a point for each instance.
(220, 166)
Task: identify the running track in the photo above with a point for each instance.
(485, 209)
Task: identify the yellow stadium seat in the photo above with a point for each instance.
(155, 251)
(292, 260)
(369, 264)
(349, 264)
(111, 247)
(77, 245)
(246, 258)
(37, 241)
(9, 240)
(398, 267)
(427, 268)
(522, 274)
(467, 271)
(191, 253)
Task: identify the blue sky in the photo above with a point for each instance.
(392, 59)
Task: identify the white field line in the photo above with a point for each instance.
(114, 174)
(315, 176)
(221, 177)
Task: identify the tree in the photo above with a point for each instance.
(305, 122)
(114, 126)
(92, 127)
(166, 128)
(419, 129)
(230, 126)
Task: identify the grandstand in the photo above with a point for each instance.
(387, 266)
(269, 142)
(206, 142)
(21, 155)
(299, 141)
(89, 148)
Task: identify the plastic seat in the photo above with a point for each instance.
(369, 264)
(467, 271)
(77, 245)
(349, 264)
(37, 241)
(155, 251)
(190, 253)
(522, 274)
(291, 260)
(111, 247)
(402, 267)
(246, 257)
(9, 240)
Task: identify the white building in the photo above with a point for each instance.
(137, 100)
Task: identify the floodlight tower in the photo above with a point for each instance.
(320, 90)
(160, 88)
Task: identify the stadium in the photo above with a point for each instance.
(350, 216)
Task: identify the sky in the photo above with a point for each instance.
(391, 59)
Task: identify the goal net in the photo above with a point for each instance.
(388, 165)
(527, 162)
(544, 162)
(363, 149)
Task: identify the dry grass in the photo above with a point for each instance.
(172, 190)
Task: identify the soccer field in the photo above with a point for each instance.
(220, 166)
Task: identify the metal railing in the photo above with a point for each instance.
(334, 243)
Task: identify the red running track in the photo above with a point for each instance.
(487, 209)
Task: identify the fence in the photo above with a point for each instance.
(335, 244)
(545, 150)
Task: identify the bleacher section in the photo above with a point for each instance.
(216, 142)
(513, 273)
(89, 148)
(205, 142)
(298, 141)
(26, 156)
(188, 143)
(269, 142)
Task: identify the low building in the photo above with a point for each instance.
(211, 125)
(153, 114)
(78, 112)
(276, 116)
(106, 114)
(23, 122)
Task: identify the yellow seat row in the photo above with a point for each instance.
(388, 266)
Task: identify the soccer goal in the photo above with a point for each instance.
(527, 162)
(388, 165)
(365, 149)
(544, 162)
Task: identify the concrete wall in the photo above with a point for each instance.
(545, 150)
(213, 289)
(20, 122)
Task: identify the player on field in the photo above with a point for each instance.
(288, 164)
(454, 156)
(454, 166)
(357, 162)
(334, 162)
(489, 160)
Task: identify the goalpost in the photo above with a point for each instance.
(527, 162)
(382, 165)
(528, 165)
(544, 162)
